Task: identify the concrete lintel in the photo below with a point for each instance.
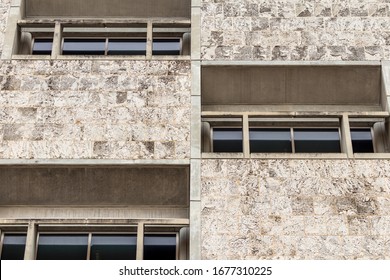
(98, 162)
(196, 78)
(74, 212)
(92, 222)
(195, 33)
(196, 125)
(195, 180)
(292, 63)
(195, 230)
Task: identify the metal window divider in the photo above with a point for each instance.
(89, 246)
(1, 242)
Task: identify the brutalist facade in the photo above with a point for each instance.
(209, 151)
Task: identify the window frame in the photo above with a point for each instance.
(2, 236)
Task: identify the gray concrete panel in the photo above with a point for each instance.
(62, 186)
(300, 85)
(108, 8)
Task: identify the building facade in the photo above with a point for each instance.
(203, 129)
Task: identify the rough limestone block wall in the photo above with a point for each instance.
(295, 209)
(94, 109)
(4, 9)
(295, 29)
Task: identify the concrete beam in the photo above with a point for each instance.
(92, 162)
(292, 63)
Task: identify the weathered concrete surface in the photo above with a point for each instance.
(295, 30)
(295, 209)
(94, 186)
(95, 109)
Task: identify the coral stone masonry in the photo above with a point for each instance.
(237, 129)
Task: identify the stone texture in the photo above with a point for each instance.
(95, 109)
(295, 209)
(295, 30)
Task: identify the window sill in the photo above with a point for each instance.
(368, 156)
(100, 57)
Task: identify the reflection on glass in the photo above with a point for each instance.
(227, 140)
(113, 247)
(62, 247)
(13, 247)
(316, 140)
(269, 140)
(362, 140)
(166, 47)
(84, 46)
(42, 46)
(160, 247)
(127, 47)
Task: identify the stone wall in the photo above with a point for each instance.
(295, 209)
(94, 109)
(4, 9)
(295, 29)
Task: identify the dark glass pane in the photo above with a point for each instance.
(166, 47)
(84, 46)
(269, 140)
(227, 140)
(13, 247)
(113, 247)
(362, 140)
(127, 47)
(62, 247)
(160, 247)
(42, 46)
(316, 140)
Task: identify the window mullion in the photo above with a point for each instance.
(346, 142)
(31, 242)
(140, 241)
(57, 40)
(1, 241)
(89, 246)
(292, 140)
(149, 40)
(245, 135)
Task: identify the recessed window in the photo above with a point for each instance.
(62, 247)
(84, 46)
(126, 47)
(42, 46)
(166, 47)
(269, 140)
(113, 247)
(227, 140)
(160, 247)
(13, 247)
(362, 140)
(308, 140)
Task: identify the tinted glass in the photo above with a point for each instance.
(127, 47)
(42, 46)
(62, 247)
(227, 140)
(84, 46)
(113, 247)
(316, 140)
(268, 140)
(362, 140)
(13, 247)
(166, 47)
(160, 247)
